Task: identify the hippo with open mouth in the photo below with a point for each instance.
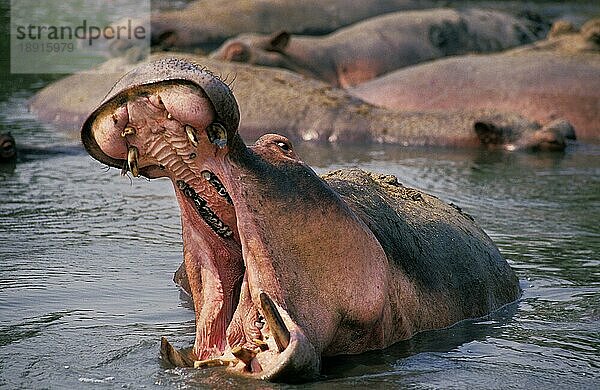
(284, 266)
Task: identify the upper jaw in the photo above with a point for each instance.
(165, 72)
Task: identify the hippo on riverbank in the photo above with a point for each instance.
(555, 78)
(382, 44)
(206, 24)
(300, 108)
(285, 267)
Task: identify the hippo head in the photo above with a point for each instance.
(513, 132)
(258, 49)
(268, 297)
(8, 150)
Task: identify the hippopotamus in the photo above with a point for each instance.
(284, 266)
(8, 149)
(10, 154)
(206, 24)
(555, 78)
(365, 50)
(301, 108)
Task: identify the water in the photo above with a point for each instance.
(87, 256)
(86, 260)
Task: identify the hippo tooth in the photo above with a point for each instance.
(261, 344)
(128, 131)
(215, 362)
(244, 354)
(173, 356)
(191, 133)
(217, 134)
(132, 157)
(169, 116)
(280, 332)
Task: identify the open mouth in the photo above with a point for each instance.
(172, 129)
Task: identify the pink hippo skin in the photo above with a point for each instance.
(284, 266)
(555, 78)
(207, 23)
(379, 45)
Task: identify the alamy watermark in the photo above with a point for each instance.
(70, 35)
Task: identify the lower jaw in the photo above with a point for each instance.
(284, 354)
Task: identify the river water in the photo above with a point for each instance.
(87, 256)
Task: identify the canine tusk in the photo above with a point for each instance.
(132, 160)
(191, 133)
(280, 332)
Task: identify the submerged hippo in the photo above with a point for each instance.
(285, 267)
(207, 23)
(8, 149)
(556, 78)
(381, 44)
(275, 100)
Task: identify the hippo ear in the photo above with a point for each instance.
(238, 52)
(488, 133)
(279, 41)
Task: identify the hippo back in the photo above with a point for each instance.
(439, 247)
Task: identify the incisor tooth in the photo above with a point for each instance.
(215, 362)
(261, 344)
(244, 354)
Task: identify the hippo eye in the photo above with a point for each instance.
(284, 146)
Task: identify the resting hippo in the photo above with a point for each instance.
(557, 78)
(280, 101)
(207, 23)
(274, 287)
(8, 149)
(379, 45)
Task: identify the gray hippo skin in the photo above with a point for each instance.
(274, 100)
(551, 79)
(207, 23)
(274, 288)
(365, 50)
